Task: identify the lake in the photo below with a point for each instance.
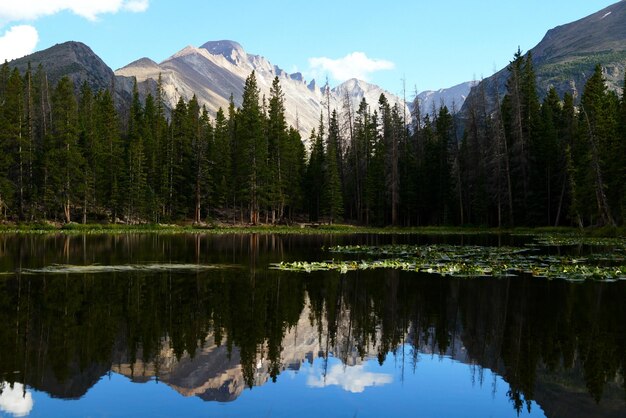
(192, 325)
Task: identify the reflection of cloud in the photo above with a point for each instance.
(354, 65)
(14, 400)
(17, 42)
(352, 379)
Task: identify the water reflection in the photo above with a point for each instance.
(210, 334)
(352, 379)
(15, 399)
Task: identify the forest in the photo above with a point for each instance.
(68, 154)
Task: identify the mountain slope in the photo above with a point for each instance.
(452, 97)
(73, 59)
(78, 62)
(218, 69)
(566, 56)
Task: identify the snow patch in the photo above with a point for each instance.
(605, 15)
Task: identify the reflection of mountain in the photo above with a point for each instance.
(215, 374)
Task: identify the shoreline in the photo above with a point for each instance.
(297, 229)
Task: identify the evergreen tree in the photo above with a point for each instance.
(315, 175)
(64, 161)
(295, 167)
(88, 146)
(252, 151)
(332, 180)
(109, 168)
(597, 128)
(135, 182)
(184, 128)
(277, 143)
(12, 145)
(548, 164)
(200, 152)
(220, 157)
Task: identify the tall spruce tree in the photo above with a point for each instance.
(110, 167)
(252, 152)
(315, 174)
(220, 161)
(277, 143)
(64, 160)
(135, 182)
(7, 140)
(332, 179)
(597, 125)
(88, 146)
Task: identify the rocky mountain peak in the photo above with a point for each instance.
(72, 59)
(231, 50)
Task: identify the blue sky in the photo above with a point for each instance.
(430, 44)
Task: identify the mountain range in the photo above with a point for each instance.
(218, 69)
(213, 72)
(564, 59)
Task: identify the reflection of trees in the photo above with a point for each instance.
(63, 332)
(512, 326)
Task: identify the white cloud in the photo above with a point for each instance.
(18, 41)
(89, 9)
(15, 401)
(136, 6)
(352, 379)
(353, 65)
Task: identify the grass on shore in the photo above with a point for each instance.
(96, 228)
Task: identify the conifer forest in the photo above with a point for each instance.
(69, 154)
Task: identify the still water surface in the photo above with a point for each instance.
(200, 326)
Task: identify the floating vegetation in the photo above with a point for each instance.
(123, 268)
(469, 261)
(575, 240)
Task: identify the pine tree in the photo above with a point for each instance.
(516, 124)
(252, 151)
(597, 125)
(277, 140)
(135, 182)
(332, 179)
(315, 174)
(15, 141)
(7, 132)
(88, 145)
(64, 161)
(295, 167)
(549, 173)
(184, 127)
(621, 152)
(220, 158)
(29, 153)
(200, 154)
(569, 134)
(444, 126)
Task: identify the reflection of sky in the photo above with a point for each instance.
(15, 401)
(352, 379)
(434, 387)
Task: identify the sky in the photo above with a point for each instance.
(413, 44)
